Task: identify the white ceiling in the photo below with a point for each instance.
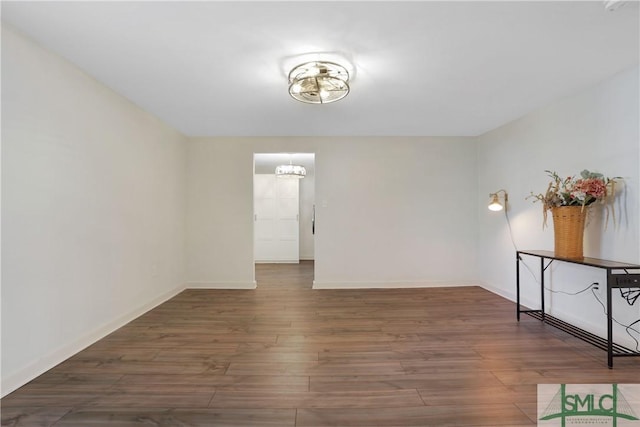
(421, 68)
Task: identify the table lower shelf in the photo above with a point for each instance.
(601, 343)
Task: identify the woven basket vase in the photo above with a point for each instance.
(568, 228)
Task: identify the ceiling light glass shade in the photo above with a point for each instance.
(318, 82)
(291, 171)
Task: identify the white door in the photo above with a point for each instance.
(276, 210)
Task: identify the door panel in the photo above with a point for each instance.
(276, 219)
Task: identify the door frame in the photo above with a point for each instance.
(309, 159)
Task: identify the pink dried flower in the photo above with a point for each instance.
(593, 187)
(589, 188)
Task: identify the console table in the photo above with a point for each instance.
(618, 276)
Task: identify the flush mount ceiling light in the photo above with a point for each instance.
(319, 82)
(291, 171)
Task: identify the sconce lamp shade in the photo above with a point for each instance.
(495, 204)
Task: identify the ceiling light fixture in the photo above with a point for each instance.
(319, 82)
(291, 171)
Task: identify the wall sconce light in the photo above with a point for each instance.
(495, 204)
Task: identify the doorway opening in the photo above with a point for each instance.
(283, 212)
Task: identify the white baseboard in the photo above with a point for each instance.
(511, 296)
(48, 361)
(221, 285)
(391, 285)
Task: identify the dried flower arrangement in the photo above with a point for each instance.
(589, 188)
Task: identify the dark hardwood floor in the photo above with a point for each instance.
(287, 355)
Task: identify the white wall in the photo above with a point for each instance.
(93, 210)
(596, 129)
(390, 211)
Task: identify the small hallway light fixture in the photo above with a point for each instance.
(495, 204)
(318, 82)
(291, 171)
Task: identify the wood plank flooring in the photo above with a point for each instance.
(286, 355)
